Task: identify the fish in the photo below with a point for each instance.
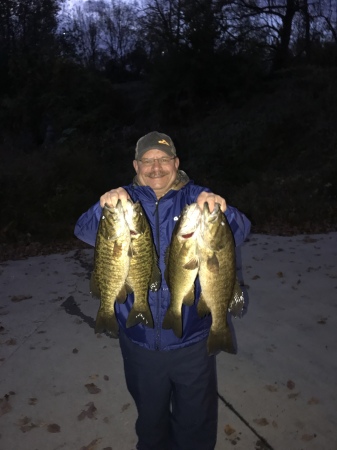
(144, 272)
(182, 266)
(111, 266)
(220, 290)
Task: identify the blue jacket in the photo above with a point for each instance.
(162, 215)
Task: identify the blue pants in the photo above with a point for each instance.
(176, 396)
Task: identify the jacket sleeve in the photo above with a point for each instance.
(87, 225)
(239, 224)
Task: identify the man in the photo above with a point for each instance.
(172, 380)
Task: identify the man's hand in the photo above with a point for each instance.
(111, 197)
(211, 199)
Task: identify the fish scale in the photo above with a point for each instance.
(144, 273)
(217, 275)
(182, 266)
(111, 266)
(202, 245)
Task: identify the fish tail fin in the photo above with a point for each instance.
(220, 341)
(137, 316)
(106, 322)
(173, 321)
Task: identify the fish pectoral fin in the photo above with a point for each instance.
(132, 251)
(95, 292)
(117, 250)
(237, 301)
(121, 297)
(202, 308)
(137, 316)
(188, 300)
(173, 321)
(128, 288)
(213, 264)
(192, 264)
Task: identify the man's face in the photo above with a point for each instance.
(160, 177)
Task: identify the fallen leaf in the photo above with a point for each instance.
(313, 401)
(26, 424)
(263, 421)
(261, 445)
(310, 269)
(294, 395)
(271, 387)
(89, 412)
(32, 401)
(125, 407)
(308, 437)
(280, 274)
(92, 445)
(309, 240)
(322, 321)
(94, 377)
(5, 406)
(290, 384)
(256, 277)
(53, 428)
(19, 298)
(229, 430)
(92, 388)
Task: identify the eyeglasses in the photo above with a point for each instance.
(162, 161)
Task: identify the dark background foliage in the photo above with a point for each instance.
(247, 91)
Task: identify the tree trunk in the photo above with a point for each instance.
(282, 52)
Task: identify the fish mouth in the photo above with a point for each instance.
(188, 235)
(211, 217)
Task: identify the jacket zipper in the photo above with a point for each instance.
(157, 335)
